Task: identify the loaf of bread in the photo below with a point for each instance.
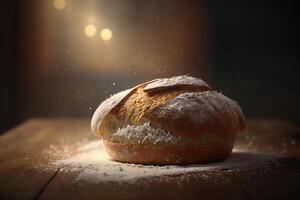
(177, 120)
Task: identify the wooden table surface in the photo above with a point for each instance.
(21, 151)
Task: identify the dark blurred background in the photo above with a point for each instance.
(61, 58)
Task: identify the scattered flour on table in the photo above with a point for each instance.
(92, 164)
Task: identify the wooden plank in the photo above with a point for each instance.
(282, 179)
(273, 136)
(205, 185)
(278, 182)
(200, 185)
(22, 152)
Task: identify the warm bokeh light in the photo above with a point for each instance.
(106, 34)
(59, 4)
(90, 30)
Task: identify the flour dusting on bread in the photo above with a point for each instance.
(198, 112)
(200, 106)
(143, 133)
(146, 134)
(106, 106)
(176, 81)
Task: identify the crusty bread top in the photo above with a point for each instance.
(194, 113)
(151, 102)
(140, 103)
(106, 106)
(176, 81)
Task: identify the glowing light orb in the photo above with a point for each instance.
(106, 34)
(90, 30)
(59, 4)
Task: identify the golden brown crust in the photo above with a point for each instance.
(141, 102)
(99, 118)
(129, 107)
(168, 153)
(182, 106)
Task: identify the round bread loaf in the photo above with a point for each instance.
(177, 120)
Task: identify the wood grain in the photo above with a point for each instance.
(204, 185)
(22, 155)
